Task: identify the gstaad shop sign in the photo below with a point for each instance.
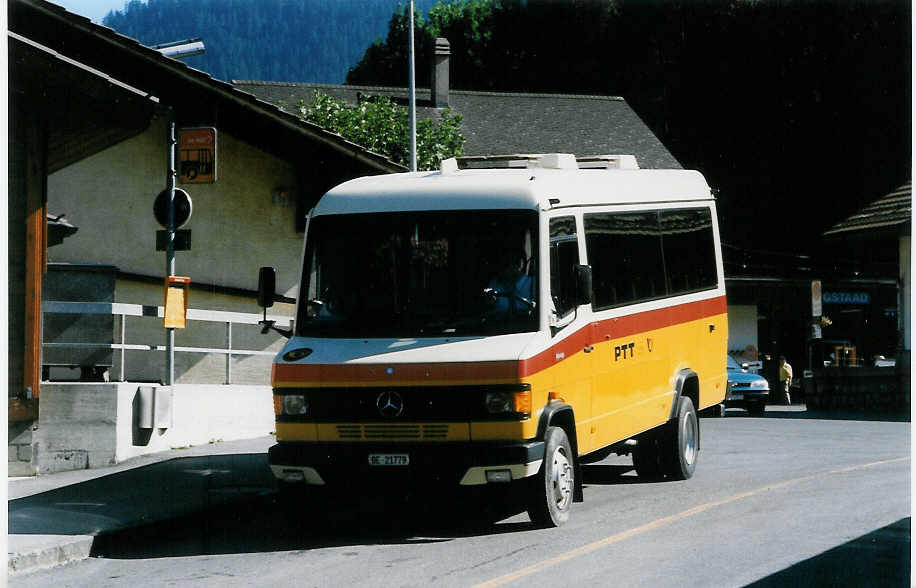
(858, 298)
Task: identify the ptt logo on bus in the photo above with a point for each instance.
(503, 321)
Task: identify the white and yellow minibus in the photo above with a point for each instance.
(503, 320)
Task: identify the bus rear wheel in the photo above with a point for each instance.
(681, 442)
(550, 493)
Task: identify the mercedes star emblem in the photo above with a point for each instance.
(389, 404)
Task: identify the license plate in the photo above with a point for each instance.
(389, 459)
(737, 397)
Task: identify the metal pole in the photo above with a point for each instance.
(170, 253)
(123, 343)
(412, 100)
(229, 355)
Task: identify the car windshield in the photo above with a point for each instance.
(420, 274)
(732, 363)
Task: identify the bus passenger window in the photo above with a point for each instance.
(564, 256)
(690, 255)
(625, 252)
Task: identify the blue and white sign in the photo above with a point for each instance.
(847, 298)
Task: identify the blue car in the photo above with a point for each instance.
(745, 389)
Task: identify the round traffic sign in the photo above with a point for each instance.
(182, 208)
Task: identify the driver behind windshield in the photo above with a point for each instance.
(511, 289)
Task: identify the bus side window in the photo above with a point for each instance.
(625, 252)
(689, 246)
(564, 257)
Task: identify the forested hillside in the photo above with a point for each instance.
(278, 40)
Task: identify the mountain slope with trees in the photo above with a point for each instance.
(280, 40)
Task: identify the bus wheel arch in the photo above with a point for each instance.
(687, 383)
(560, 414)
(680, 438)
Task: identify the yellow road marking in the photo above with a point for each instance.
(610, 540)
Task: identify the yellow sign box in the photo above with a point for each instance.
(197, 155)
(176, 302)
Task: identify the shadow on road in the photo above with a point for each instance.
(880, 558)
(311, 521)
(606, 474)
(230, 504)
(156, 492)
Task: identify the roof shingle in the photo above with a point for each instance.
(502, 123)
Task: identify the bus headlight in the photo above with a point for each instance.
(499, 402)
(517, 403)
(295, 405)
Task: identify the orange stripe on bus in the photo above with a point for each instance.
(625, 326)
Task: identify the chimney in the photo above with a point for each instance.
(439, 78)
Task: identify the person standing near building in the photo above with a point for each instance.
(785, 377)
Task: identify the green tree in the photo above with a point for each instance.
(381, 125)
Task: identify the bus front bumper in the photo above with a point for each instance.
(465, 464)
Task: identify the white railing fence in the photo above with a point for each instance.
(123, 311)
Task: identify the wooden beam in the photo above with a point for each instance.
(35, 253)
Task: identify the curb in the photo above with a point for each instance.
(30, 553)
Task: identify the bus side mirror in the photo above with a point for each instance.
(267, 286)
(583, 284)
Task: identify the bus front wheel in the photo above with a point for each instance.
(550, 494)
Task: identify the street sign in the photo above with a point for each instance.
(183, 208)
(817, 306)
(197, 155)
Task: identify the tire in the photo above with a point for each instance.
(680, 444)
(647, 458)
(551, 491)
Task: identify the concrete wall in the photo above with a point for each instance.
(87, 425)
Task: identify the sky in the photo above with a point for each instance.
(95, 10)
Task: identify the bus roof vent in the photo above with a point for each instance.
(448, 166)
(558, 161)
(542, 160)
(512, 161)
(608, 162)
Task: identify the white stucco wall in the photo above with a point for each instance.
(236, 227)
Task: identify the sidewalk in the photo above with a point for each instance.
(53, 519)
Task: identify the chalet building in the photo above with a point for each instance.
(91, 113)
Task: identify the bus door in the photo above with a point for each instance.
(573, 361)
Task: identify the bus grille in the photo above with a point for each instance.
(372, 432)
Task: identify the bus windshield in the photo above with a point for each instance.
(420, 274)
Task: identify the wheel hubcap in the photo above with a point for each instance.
(562, 479)
(690, 440)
